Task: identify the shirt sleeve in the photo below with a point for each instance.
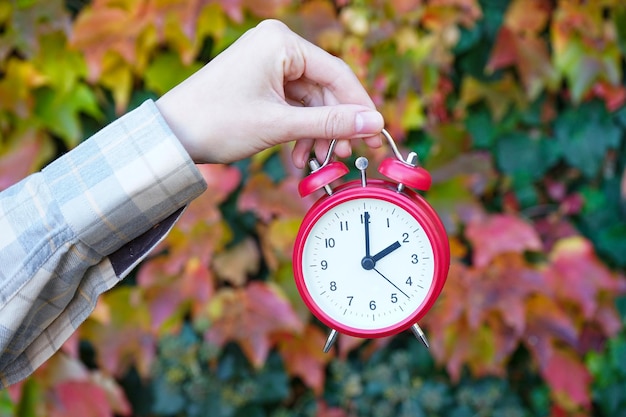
(75, 229)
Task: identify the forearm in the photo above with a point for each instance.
(72, 231)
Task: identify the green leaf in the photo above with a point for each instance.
(63, 68)
(166, 71)
(31, 395)
(168, 398)
(60, 113)
(7, 408)
(601, 221)
(619, 23)
(617, 353)
(517, 153)
(585, 134)
(481, 128)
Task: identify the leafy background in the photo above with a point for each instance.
(516, 108)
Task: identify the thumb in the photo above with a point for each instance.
(341, 121)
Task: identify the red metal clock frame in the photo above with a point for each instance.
(408, 200)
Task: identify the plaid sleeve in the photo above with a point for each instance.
(73, 230)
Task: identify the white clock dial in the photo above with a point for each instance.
(368, 264)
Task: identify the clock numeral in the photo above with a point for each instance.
(373, 305)
(329, 242)
(388, 225)
(409, 281)
(414, 259)
(333, 286)
(343, 225)
(350, 297)
(394, 298)
(324, 265)
(405, 238)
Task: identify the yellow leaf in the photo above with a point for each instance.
(117, 76)
(413, 117)
(237, 263)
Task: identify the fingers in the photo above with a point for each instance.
(324, 123)
(304, 93)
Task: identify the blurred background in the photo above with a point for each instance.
(515, 107)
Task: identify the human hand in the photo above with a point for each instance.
(271, 86)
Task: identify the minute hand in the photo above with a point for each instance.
(380, 255)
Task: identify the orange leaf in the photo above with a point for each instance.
(548, 325)
(267, 199)
(277, 239)
(249, 316)
(24, 157)
(105, 26)
(484, 350)
(304, 357)
(500, 233)
(235, 264)
(528, 15)
(126, 339)
(266, 8)
(170, 289)
(493, 296)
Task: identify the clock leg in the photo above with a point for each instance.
(419, 334)
(331, 340)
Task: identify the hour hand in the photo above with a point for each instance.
(380, 255)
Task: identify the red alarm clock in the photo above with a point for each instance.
(371, 256)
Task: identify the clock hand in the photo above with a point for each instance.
(369, 262)
(380, 255)
(366, 220)
(389, 281)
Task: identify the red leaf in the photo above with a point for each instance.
(569, 379)
(613, 95)
(504, 52)
(95, 397)
(80, 399)
(304, 357)
(249, 316)
(499, 234)
(18, 161)
(475, 299)
(221, 181)
(577, 275)
(518, 43)
(324, 410)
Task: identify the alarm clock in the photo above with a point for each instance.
(371, 255)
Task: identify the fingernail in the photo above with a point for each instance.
(368, 122)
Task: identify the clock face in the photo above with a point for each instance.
(368, 266)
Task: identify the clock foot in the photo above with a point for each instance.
(419, 334)
(331, 340)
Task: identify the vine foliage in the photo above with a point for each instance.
(516, 108)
